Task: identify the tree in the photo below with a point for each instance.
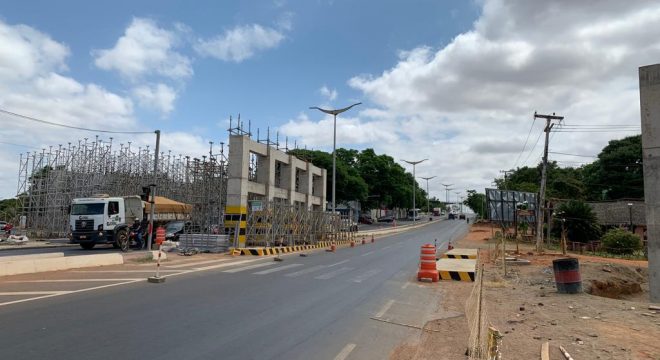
(580, 221)
(476, 202)
(618, 172)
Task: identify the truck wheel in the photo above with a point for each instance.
(87, 246)
(121, 239)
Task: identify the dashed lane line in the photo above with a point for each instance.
(334, 273)
(369, 253)
(285, 267)
(249, 267)
(384, 309)
(366, 275)
(339, 263)
(343, 354)
(306, 271)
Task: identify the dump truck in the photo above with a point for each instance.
(101, 219)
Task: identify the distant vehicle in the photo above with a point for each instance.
(386, 218)
(6, 227)
(437, 211)
(365, 219)
(413, 214)
(451, 216)
(3, 224)
(461, 217)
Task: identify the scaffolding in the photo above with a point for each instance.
(49, 179)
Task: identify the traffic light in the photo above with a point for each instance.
(146, 192)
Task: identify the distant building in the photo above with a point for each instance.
(618, 213)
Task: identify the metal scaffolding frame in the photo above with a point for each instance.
(49, 179)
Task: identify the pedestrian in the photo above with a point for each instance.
(136, 229)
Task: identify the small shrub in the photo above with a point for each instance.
(619, 241)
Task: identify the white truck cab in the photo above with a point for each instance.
(102, 219)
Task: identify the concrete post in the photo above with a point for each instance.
(649, 96)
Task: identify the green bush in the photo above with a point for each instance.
(619, 241)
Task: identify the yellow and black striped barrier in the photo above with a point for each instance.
(456, 269)
(460, 254)
(276, 250)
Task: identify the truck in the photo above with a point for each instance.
(101, 219)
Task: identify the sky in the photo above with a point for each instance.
(456, 82)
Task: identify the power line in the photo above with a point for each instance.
(533, 147)
(527, 139)
(561, 153)
(70, 126)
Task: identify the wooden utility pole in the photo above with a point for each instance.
(544, 173)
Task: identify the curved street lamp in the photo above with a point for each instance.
(428, 196)
(413, 163)
(334, 113)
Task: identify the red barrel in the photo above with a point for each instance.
(567, 275)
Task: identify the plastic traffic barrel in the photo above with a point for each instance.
(427, 266)
(567, 276)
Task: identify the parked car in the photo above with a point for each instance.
(461, 217)
(173, 229)
(365, 219)
(386, 218)
(6, 227)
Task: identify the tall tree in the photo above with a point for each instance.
(476, 202)
(618, 171)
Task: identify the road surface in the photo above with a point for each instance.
(323, 306)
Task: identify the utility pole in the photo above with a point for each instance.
(150, 238)
(506, 173)
(544, 173)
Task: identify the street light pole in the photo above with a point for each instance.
(428, 196)
(334, 113)
(447, 192)
(457, 203)
(413, 163)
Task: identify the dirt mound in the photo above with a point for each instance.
(614, 281)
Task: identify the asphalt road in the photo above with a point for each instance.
(315, 307)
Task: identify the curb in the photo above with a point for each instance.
(33, 265)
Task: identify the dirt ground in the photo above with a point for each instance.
(613, 323)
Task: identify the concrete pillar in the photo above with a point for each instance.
(649, 96)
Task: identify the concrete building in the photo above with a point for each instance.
(649, 99)
(261, 173)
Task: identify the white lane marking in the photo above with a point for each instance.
(72, 280)
(177, 266)
(249, 267)
(405, 285)
(387, 247)
(121, 271)
(305, 271)
(384, 309)
(211, 267)
(19, 293)
(334, 273)
(70, 292)
(343, 354)
(339, 263)
(369, 253)
(277, 269)
(366, 275)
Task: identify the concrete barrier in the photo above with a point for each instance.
(31, 256)
(35, 265)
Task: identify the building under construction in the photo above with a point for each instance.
(290, 192)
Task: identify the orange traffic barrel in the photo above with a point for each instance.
(427, 267)
(160, 235)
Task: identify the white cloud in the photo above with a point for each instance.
(240, 43)
(159, 97)
(468, 106)
(146, 49)
(32, 83)
(330, 95)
